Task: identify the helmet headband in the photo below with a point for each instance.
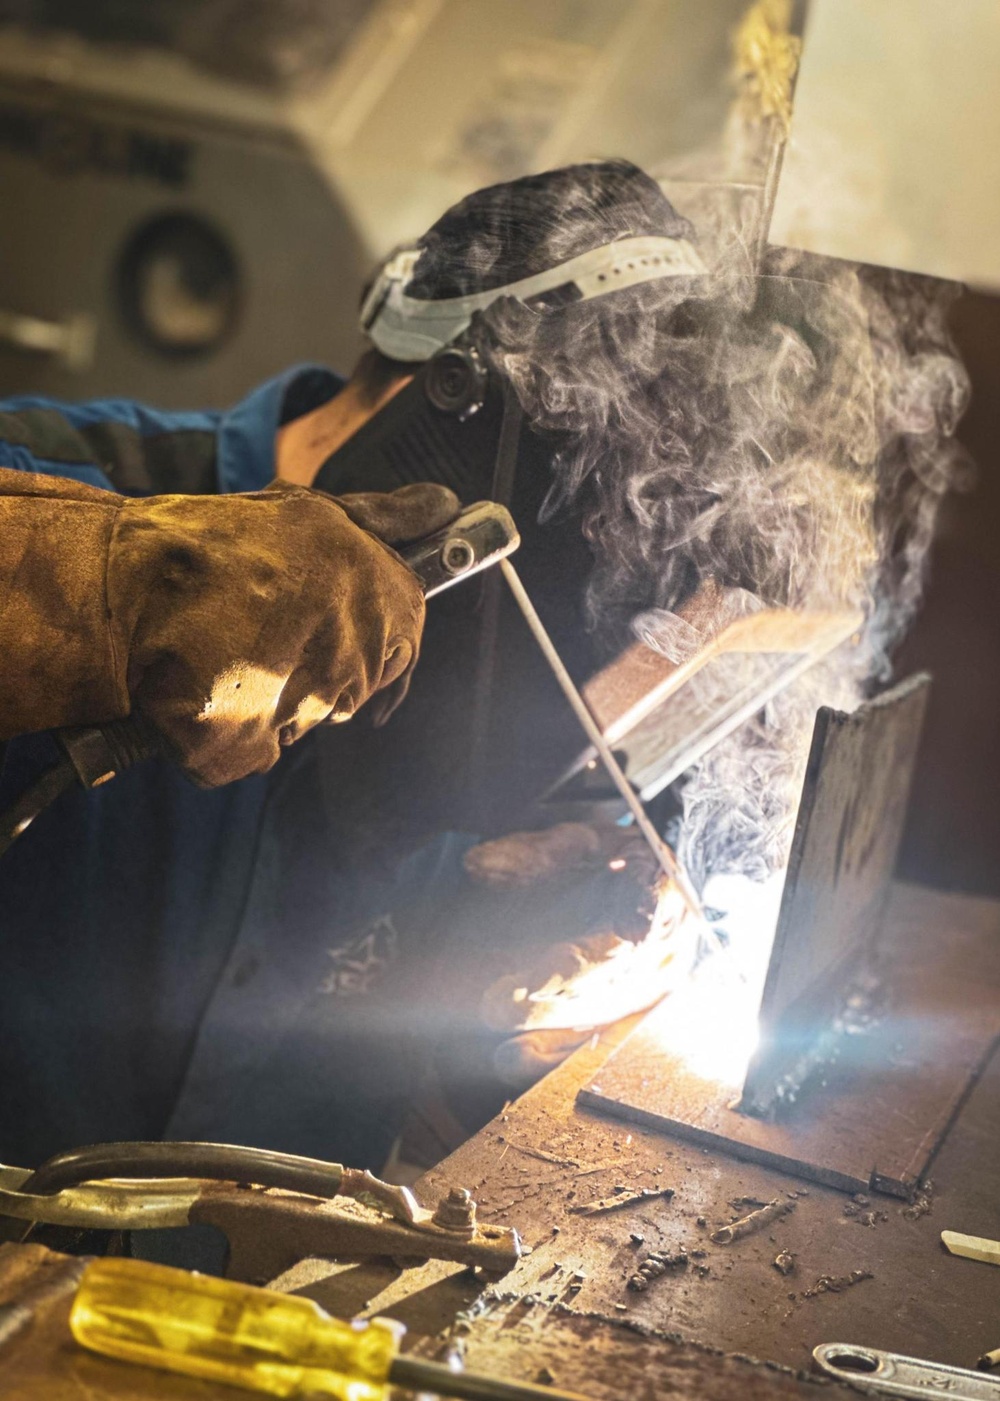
(413, 328)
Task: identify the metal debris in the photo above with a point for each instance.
(834, 1284)
(755, 1221)
(538, 1153)
(920, 1206)
(784, 1263)
(653, 1267)
(619, 1199)
(854, 1211)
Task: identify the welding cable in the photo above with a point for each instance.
(18, 817)
(91, 755)
(222, 1162)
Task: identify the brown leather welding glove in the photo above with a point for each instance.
(234, 623)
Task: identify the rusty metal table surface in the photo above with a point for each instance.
(544, 1157)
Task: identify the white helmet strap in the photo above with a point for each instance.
(413, 328)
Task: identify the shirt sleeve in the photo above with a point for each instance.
(136, 450)
(112, 443)
(60, 661)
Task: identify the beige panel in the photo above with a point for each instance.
(894, 154)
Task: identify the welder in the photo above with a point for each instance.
(233, 964)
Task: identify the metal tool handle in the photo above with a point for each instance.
(904, 1376)
(481, 536)
(223, 1162)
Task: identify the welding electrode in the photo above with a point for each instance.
(282, 1344)
(664, 856)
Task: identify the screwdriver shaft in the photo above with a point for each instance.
(435, 1377)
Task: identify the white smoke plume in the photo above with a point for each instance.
(784, 427)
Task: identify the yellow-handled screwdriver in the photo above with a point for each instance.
(281, 1344)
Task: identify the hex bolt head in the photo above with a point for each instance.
(456, 1211)
(457, 556)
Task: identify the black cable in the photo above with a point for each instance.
(19, 816)
(222, 1162)
(92, 755)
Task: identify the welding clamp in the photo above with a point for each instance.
(273, 1208)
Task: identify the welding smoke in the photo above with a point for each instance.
(783, 426)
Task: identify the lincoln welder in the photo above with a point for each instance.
(232, 963)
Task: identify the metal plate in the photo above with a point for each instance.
(873, 1115)
(662, 715)
(847, 835)
(873, 1124)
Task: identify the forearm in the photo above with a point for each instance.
(59, 662)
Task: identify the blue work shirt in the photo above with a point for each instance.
(200, 964)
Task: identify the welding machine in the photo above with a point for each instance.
(167, 236)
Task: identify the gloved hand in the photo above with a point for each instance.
(234, 623)
(551, 1002)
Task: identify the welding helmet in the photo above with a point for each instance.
(445, 425)
(542, 246)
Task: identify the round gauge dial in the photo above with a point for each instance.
(179, 285)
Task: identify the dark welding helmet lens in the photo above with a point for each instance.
(449, 438)
(456, 380)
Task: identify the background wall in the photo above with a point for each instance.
(953, 833)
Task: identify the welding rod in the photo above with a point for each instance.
(666, 860)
